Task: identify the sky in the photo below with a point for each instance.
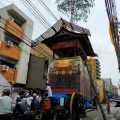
(97, 24)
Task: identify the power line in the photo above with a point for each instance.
(47, 9)
(39, 13)
(32, 11)
(26, 23)
(39, 16)
(29, 45)
(36, 13)
(27, 53)
(46, 55)
(50, 31)
(28, 40)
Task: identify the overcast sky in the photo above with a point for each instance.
(97, 24)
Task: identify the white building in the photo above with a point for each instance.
(15, 30)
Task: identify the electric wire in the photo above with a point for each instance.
(27, 53)
(32, 11)
(39, 13)
(26, 23)
(29, 40)
(42, 21)
(29, 45)
(28, 7)
(47, 9)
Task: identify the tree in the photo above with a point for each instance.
(77, 9)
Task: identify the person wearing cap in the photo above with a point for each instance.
(5, 105)
(48, 89)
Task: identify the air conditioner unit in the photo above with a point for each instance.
(5, 68)
(9, 43)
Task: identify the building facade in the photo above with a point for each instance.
(95, 68)
(98, 69)
(15, 44)
(41, 50)
(100, 84)
(115, 91)
(108, 84)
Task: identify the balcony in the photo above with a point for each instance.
(14, 29)
(12, 52)
(97, 73)
(10, 75)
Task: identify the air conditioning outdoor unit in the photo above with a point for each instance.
(5, 68)
(9, 43)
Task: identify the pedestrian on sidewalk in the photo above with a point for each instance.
(108, 105)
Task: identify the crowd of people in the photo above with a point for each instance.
(26, 105)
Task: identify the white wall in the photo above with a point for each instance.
(22, 64)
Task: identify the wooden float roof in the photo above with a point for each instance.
(57, 33)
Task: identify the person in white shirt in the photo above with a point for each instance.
(29, 100)
(5, 105)
(48, 89)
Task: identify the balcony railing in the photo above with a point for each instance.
(10, 75)
(12, 52)
(14, 29)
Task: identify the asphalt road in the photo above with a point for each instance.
(97, 115)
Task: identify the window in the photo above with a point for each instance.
(11, 65)
(9, 39)
(17, 23)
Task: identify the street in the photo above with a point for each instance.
(97, 115)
